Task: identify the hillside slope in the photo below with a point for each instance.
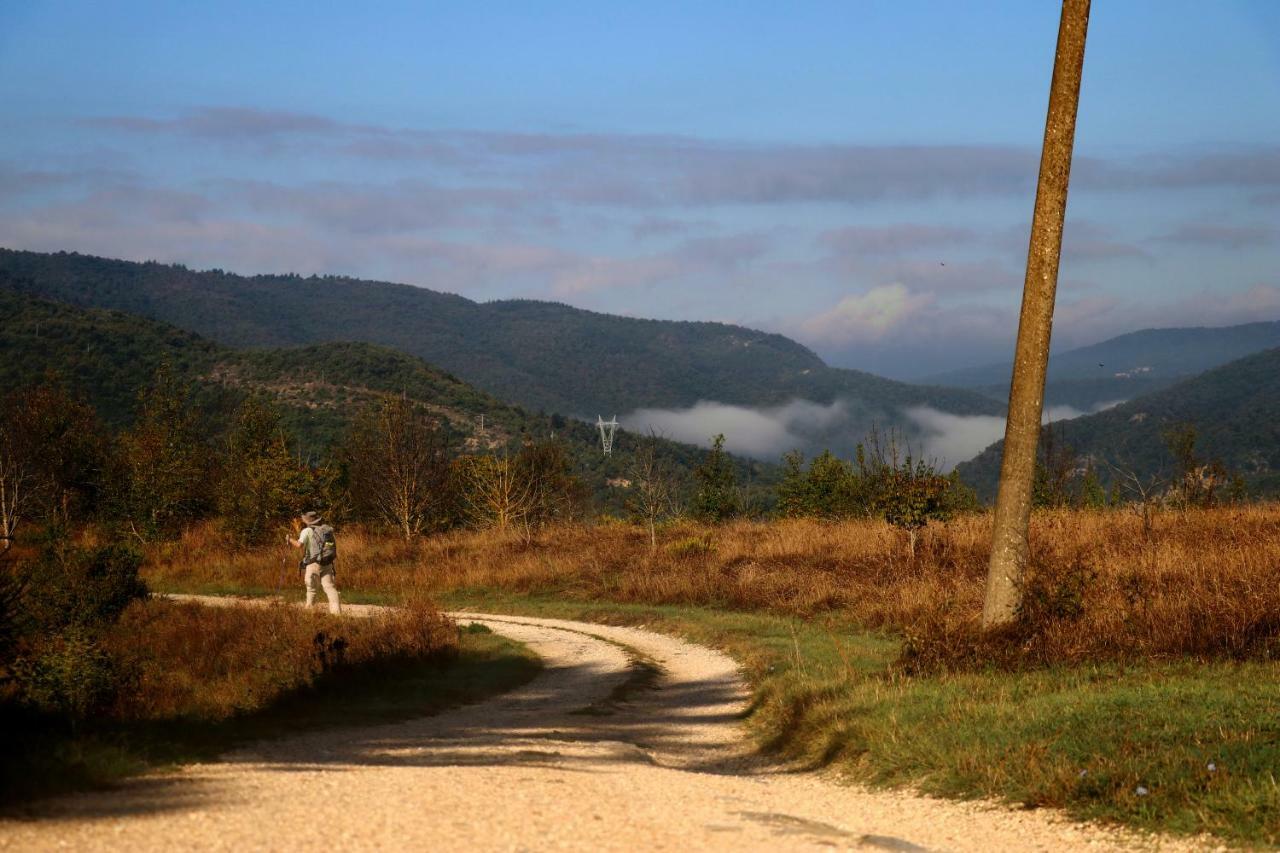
(544, 356)
(109, 356)
(1234, 408)
(1126, 366)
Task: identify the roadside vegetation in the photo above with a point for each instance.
(98, 681)
(1138, 684)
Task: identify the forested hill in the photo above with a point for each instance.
(109, 356)
(544, 356)
(1127, 366)
(1235, 410)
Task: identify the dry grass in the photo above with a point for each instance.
(1103, 585)
(211, 663)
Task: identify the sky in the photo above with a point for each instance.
(856, 175)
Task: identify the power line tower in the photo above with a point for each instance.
(607, 431)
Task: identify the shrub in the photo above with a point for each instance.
(715, 496)
(67, 587)
(68, 674)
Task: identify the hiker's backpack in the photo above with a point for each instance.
(323, 547)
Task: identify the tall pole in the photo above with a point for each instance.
(1031, 356)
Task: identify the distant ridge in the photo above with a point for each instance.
(1234, 408)
(1128, 365)
(110, 356)
(544, 356)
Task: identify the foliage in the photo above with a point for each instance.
(398, 465)
(544, 356)
(716, 496)
(51, 456)
(556, 495)
(263, 484)
(1234, 411)
(525, 491)
(110, 359)
(906, 493)
(61, 602)
(1199, 483)
(69, 587)
(494, 491)
(163, 463)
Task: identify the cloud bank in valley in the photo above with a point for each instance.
(764, 433)
(768, 432)
(951, 439)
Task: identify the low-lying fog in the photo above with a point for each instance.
(767, 433)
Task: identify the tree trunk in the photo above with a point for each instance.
(1031, 357)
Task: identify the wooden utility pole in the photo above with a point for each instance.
(1031, 356)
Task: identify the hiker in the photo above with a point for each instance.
(318, 555)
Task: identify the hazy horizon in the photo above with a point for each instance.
(858, 178)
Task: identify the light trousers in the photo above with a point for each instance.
(323, 577)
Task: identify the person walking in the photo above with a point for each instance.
(320, 551)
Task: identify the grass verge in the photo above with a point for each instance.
(1183, 747)
(53, 761)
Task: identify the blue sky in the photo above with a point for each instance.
(858, 175)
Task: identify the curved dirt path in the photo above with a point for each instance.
(628, 740)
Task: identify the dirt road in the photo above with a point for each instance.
(629, 740)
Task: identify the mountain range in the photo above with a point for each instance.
(542, 356)
(108, 357)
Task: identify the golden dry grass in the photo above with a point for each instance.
(211, 663)
(1103, 585)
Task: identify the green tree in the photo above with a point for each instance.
(51, 457)
(914, 494)
(793, 488)
(162, 464)
(715, 496)
(832, 487)
(262, 483)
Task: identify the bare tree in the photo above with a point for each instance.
(1144, 493)
(18, 480)
(399, 465)
(496, 492)
(655, 493)
(1031, 356)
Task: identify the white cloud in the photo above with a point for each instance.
(764, 433)
(952, 439)
(866, 316)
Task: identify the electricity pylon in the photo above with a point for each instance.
(607, 431)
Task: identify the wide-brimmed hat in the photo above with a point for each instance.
(311, 517)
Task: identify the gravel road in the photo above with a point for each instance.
(628, 740)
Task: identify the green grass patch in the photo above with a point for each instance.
(45, 761)
(1184, 746)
